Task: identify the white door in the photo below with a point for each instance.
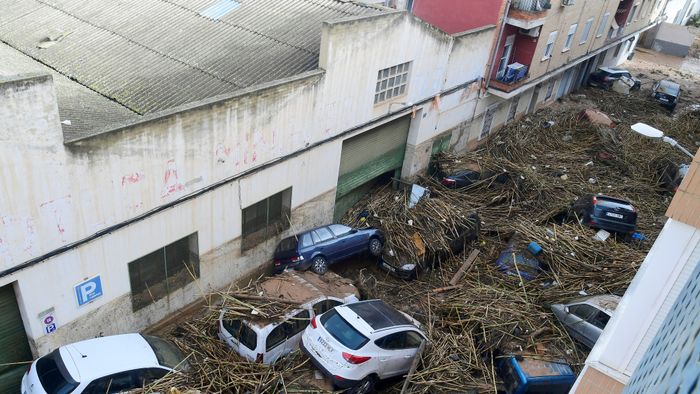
(505, 56)
(398, 351)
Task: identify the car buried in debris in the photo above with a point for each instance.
(666, 93)
(359, 344)
(606, 213)
(605, 77)
(318, 248)
(108, 364)
(265, 340)
(586, 318)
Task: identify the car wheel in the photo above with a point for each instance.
(366, 386)
(375, 247)
(319, 265)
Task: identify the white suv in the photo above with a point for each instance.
(358, 344)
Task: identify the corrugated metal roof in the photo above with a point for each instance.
(151, 55)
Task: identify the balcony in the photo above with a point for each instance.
(511, 78)
(528, 14)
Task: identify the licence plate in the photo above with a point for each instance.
(614, 215)
(325, 345)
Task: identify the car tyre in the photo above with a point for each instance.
(365, 386)
(319, 265)
(375, 247)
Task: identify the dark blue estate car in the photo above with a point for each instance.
(319, 247)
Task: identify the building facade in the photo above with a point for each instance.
(108, 228)
(651, 344)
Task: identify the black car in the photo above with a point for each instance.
(319, 247)
(604, 77)
(607, 213)
(464, 178)
(667, 93)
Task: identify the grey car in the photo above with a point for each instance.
(585, 318)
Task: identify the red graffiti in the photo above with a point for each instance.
(132, 178)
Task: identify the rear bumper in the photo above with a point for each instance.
(337, 383)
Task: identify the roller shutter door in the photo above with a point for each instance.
(14, 347)
(368, 156)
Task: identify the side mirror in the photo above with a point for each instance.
(566, 309)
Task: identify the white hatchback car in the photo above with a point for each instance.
(358, 344)
(265, 340)
(110, 364)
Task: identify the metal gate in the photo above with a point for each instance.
(14, 347)
(366, 157)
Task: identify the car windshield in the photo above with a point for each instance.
(287, 244)
(53, 375)
(167, 354)
(342, 331)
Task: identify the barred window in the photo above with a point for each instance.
(391, 82)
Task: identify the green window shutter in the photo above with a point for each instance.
(13, 342)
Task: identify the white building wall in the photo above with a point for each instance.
(244, 147)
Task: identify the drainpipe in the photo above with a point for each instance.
(498, 43)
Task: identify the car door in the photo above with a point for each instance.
(342, 243)
(597, 321)
(325, 244)
(398, 351)
(577, 323)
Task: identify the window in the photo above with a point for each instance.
(550, 90)
(266, 218)
(583, 311)
(391, 82)
(488, 119)
(242, 333)
(286, 330)
(600, 319)
(305, 241)
(633, 14)
(53, 375)
(399, 340)
(325, 305)
(342, 331)
(513, 109)
(617, 50)
(505, 56)
(322, 235)
(111, 384)
(339, 230)
(586, 31)
(550, 45)
(275, 338)
(570, 37)
(159, 273)
(603, 24)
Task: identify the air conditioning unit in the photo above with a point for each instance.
(515, 72)
(534, 32)
(568, 2)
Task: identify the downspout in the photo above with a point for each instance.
(498, 43)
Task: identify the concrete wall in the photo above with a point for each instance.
(98, 204)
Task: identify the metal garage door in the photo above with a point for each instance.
(14, 347)
(368, 156)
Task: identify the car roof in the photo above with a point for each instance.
(94, 358)
(612, 199)
(605, 302)
(613, 70)
(379, 315)
(669, 87)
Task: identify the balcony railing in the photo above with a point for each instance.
(532, 5)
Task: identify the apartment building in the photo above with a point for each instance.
(544, 48)
(153, 152)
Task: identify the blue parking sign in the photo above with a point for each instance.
(88, 290)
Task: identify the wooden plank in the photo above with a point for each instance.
(465, 267)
